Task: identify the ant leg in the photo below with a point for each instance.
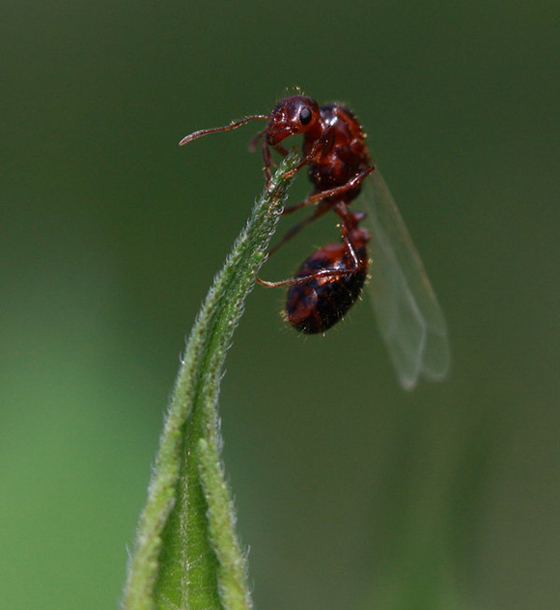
(324, 207)
(255, 140)
(324, 143)
(296, 169)
(267, 163)
(267, 158)
(342, 210)
(318, 197)
(338, 190)
(318, 212)
(321, 273)
(281, 149)
(293, 208)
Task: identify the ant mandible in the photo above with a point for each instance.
(330, 280)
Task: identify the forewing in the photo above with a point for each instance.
(409, 316)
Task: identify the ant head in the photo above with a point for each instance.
(292, 115)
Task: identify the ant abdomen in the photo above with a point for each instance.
(313, 306)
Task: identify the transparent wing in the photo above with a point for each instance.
(409, 316)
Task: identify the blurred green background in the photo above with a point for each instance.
(351, 493)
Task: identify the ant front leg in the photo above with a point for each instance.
(322, 144)
(279, 148)
(267, 159)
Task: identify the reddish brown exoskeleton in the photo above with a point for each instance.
(331, 279)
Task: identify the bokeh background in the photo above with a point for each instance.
(351, 493)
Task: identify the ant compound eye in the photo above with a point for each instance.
(305, 116)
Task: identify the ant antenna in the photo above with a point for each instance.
(233, 125)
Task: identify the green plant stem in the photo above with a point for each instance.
(186, 553)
